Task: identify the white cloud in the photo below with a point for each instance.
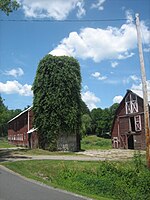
(147, 49)
(114, 64)
(129, 15)
(56, 9)
(117, 99)
(98, 76)
(125, 55)
(14, 72)
(81, 10)
(137, 88)
(90, 99)
(98, 5)
(109, 43)
(14, 87)
(112, 82)
(86, 87)
(132, 78)
(60, 52)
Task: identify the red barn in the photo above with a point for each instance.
(21, 131)
(128, 125)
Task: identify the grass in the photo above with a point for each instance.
(37, 152)
(4, 143)
(87, 143)
(94, 142)
(56, 174)
(99, 180)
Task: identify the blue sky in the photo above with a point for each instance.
(106, 50)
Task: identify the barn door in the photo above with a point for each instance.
(130, 142)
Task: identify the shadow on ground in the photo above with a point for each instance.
(8, 154)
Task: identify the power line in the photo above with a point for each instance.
(61, 21)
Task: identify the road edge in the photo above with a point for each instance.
(42, 184)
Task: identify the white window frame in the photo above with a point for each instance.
(137, 120)
(131, 105)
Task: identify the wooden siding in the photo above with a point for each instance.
(124, 123)
(18, 128)
(21, 124)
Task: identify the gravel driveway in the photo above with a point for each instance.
(89, 155)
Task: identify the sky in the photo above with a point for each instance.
(100, 34)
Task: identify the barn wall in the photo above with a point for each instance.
(19, 126)
(115, 129)
(67, 143)
(124, 126)
(30, 119)
(34, 140)
(17, 130)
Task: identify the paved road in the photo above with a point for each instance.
(14, 187)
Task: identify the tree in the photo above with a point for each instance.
(104, 123)
(96, 115)
(86, 125)
(84, 108)
(57, 99)
(102, 120)
(5, 116)
(7, 6)
(85, 120)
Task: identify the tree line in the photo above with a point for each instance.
(98, 121)
(95, 122)
(5, 115)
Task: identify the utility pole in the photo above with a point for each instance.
(145, 96)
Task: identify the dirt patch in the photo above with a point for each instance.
(89, 155)
(112, 154)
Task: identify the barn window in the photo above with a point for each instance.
(135, 123)
(131, 104)
(25, 136)
(132, 124)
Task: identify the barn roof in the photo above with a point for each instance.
(140, 94)
(20, 114)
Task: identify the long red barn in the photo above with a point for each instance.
(21, 131)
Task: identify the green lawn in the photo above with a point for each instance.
(37, 152)
(4, 143)
(98, 180)
(94, 142)
(87, 143)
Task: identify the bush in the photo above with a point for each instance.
(109, 179)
